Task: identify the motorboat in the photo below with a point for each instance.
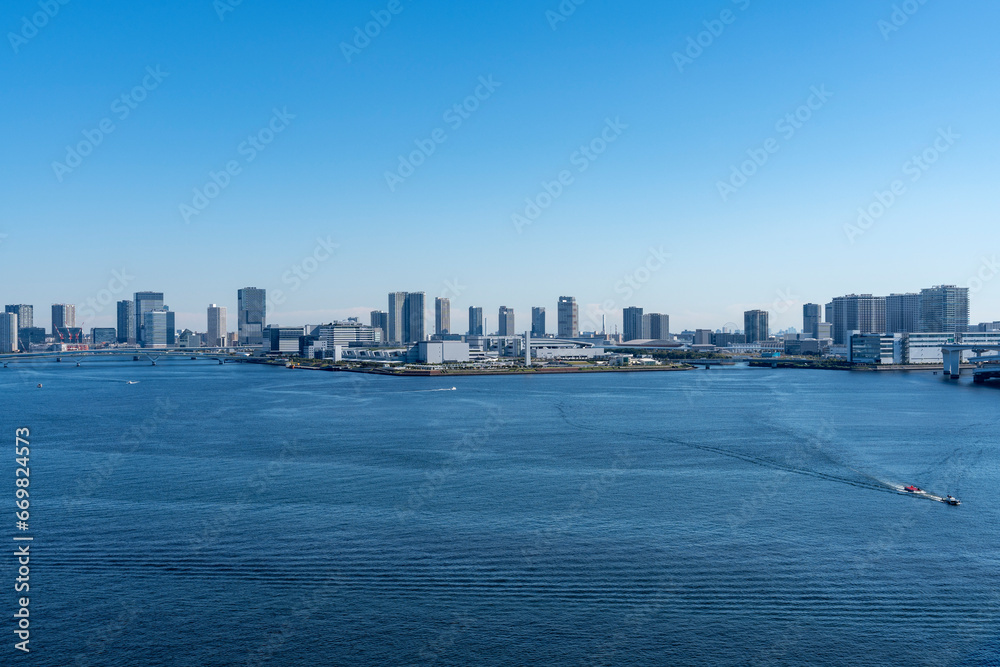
(913, 489)
(952, 500)
(132, 382)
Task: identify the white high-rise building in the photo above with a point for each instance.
(8, 333)
(216, 326)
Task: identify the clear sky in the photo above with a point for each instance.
(663, 119)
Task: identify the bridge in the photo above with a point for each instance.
(151, 353)
(988, 365)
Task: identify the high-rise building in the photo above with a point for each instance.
(103, 336)
(755, 325)
(25, 315)
(145, 302)
(380, 321)
(569, 317)
(171, 327)
(442, 315)
(944, 309)
(396, 327)
(538, 322)
(252, 315)
(63, 316)
(632, 323)
(154, 328)
(863, 313)
(413, 318)
(902, 313)
(8, 332)
(475, 321)
(506, 318)
(812, 315)
(655, 326)
(126, 322)
(216, 331)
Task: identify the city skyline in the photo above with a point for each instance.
(817, 217)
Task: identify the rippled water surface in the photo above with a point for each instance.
(235, 515)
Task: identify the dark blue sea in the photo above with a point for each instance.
(249, 515)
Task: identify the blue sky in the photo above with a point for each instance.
(890, 88)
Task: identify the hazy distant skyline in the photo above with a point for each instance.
(300, 138)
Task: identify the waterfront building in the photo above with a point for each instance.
(755, 325)
(216, 332)
(438, 352)
(413, 318)
(63, 315)
(655, 326)
(103, 336)
(632, 323)
(702, 336)
(25, 315)
(812, 315)
(944, 308)
(824, 330)
(145, 302)
(347, 333)
(863, 313)
(251, 315)
(442, 316)
(396, 327)
(538, 322)
(8, 332)
(902, 313)
(28, 336)
(126, 322)
(506, 322)
(876, 349)
(154, 328)
(475, 321)
(284, 340)
(568, 317)
(726, 339)
(379, 319)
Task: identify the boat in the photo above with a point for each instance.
(914, 489)
(39, 385)
(952, 500)
(132, 382)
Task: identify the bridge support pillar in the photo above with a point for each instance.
(952, 363)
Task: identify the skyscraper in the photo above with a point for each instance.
(145, 302)
(252, 315)
(902, 313)
(537, 322)
(171, 327)
(655, 326)
(442, 315)
(506, 318)
(413, 318)
(755, 325)
(216, 331)
(569, 317)
(632, 323)
(63, 316)
(857, 312)
(154, 328)
(397, 300)
(475, 321)
(126, 322)
(812, 315)
(944, 308)
(25, 315)
(380, 321)
(8, 332)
